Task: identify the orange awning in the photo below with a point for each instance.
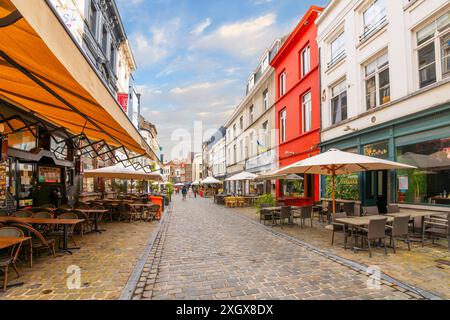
(43, 71)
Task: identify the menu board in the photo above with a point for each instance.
(3, 184)
(49, 175)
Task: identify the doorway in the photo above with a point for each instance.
(376, 190)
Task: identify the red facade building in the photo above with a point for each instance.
(298, 108)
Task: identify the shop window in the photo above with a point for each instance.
(433, 51)
(430, 182)
(297, 186)
(377, 150)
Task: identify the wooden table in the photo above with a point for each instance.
(64, 222)
(144, 205)
(6, 242)
(361, 221)
(95, 212)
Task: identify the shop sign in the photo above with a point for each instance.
(122, 98)
(377, 150)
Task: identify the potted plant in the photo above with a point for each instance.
(267, 198)
(418, 185)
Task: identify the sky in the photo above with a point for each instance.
(194, 58)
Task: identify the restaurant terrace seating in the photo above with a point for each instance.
(399, 229)
(376, 230)
(10, 257)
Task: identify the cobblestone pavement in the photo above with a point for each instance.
(106, 261)
(427, 268)
(204, 251)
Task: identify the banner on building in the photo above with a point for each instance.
(122, 98)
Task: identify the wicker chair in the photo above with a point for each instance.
(38, 242)
(306, 213)
(47, 206)
(283, 215)
(376, 230)
(10, 257)
(370, 211)
(338, 227)
(399, 229)
(22, 214)
(60, 233)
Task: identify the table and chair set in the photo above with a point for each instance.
(47, 228)
(239, 201)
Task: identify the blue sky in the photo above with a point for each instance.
(194, 56)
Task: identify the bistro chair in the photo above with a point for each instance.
(65, 206)
(152, 211)
(60, 233)
(399, 229)
(38, 242)
(376, 230)
(306, 213)
(338, 227)
(39, 209)
(10, 257)
(393, 208)
(42, 215)
(370, 211)
(357, 210)
(349, 208)
(81, 205)
(437, 227)
(22, 214)
(47, 206)
(86, 225)
(283, 215)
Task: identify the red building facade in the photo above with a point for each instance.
(298, 108)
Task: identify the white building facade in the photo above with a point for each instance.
(250, 131)
(217, 159)
(385, 92)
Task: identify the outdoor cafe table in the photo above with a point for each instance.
(6, 242)
(357, 222)
(64, 222)
(95, 212)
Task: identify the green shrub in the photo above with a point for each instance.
(267, 198)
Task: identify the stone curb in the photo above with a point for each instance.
(130, 287)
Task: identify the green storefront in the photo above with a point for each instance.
(421, 140)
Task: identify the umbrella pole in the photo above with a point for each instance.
(333, 191)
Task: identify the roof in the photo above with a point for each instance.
(307, 20)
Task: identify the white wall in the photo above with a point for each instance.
(398, 37)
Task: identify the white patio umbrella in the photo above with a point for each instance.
(195, 183)
(119, 171)
(335, 162)
(242, 176)
(211, 180)
(179, 184)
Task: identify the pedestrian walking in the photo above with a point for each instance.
(184, 192)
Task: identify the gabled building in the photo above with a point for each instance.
(297, 107)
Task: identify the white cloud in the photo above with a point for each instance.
(258, 2)
(150, 49)
(201, 27)
(242, 39)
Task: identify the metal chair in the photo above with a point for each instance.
(67, 215)
(399, 228)
(370, 211)
(11, 256)
(376, 230)
(42, 215)
(349, 208)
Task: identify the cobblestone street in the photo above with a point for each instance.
(205, 251)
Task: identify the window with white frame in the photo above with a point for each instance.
(306, 60)
(93, 19)
(234, 153)
(234, 130)
(283, 118)
(265, 99)
(251, 142)
(250, 114)
(377, 82)
(265, 63)
(374, 17)
(241, 150)
(306, 112)
(282, 84)
(433, 50)
(241, 123)
(265, 138)
(338, 48)
(339, 102)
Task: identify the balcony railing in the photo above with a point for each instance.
(374, 28)
(336, 59)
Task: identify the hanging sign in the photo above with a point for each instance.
(122, 98)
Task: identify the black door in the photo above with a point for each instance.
(376, 183)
